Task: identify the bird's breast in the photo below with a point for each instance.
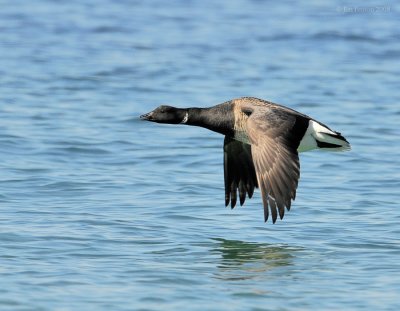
(239, 128)
(242, 136)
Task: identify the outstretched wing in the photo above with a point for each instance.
(275, 159)
(239, 171)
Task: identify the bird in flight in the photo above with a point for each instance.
(261, 146)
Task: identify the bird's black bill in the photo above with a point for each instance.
(146, 117)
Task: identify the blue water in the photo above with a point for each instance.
(101, 211)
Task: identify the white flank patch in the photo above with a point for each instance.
(314, 131)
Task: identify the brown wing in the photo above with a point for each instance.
(275, 159)
(239, 171)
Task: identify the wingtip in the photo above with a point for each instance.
(242, 199)
(227, 199)
(281, 212)
(266, 219)
(266, 215)
(233, 202)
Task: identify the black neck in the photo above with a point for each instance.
(219, 119)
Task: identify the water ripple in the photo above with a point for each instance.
(100, 210)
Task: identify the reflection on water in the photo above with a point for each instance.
(101, 211)
(247, 260)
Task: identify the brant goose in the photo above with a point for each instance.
(261, 146)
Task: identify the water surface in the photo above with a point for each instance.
(100, 211)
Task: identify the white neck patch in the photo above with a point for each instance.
(185, 119)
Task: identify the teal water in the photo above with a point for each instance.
(100, 211)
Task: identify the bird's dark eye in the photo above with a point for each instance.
(163, 109)
(247, 111)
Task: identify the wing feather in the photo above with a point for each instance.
(276, 162)
(239, 171)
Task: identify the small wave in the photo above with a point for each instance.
(109, 29)
(79, 150)
(331, 35)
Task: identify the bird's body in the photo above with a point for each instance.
(261, 146)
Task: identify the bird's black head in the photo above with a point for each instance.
(166, 114)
